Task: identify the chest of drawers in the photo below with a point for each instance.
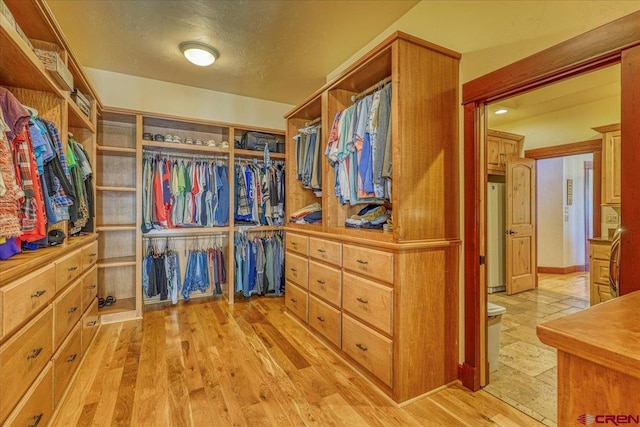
(388, 310)
(47, 302)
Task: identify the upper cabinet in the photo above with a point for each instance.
(501, 145)
(611, 162)
(417, 162)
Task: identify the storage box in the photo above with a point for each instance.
(81, 102)
(55, 61)
(24, 36)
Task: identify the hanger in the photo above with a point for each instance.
(32, 111)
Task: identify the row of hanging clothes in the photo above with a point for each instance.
(259, 192)
(359, 147)
(180, 192)
(308, 155)
(41, 182)
(259, 263)
(205, 270)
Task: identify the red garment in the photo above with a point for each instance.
(158, 207)
(34, 221)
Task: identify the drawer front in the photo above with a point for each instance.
(296, 243)
(325, 282)
(25, 297)
(90, 324)
(370, 349)
(600, 271)
(326, 250)
(604, 292)
(89, 255)
(370, 262)
(66, 361)
(600, 251)
(368, 301)
(325, 319)
(67, 311)
(67, 269)
(296, 301)
(89, 287)
(297, 269)
(23, 357)
(36, 408)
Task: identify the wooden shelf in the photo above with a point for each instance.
(15, 54)
(257, 154)
(77, 119)
(118, 189)
(194, 296)
(117, 262)
(256, 228)
(116, 151)
(124, 304)
(195, 231)
(184, 148)
(116, 227)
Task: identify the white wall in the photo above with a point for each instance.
(574, 222)
(549, 213)
(566, 126)
(138, 93)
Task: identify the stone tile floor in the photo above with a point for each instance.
(527, 375)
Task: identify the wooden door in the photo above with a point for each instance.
(520, 223)
(494, 162)
(612, 159)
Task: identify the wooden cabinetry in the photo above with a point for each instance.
(599, 275)
(611, 164)
(47, 330)
(398, 289)
(501, 145)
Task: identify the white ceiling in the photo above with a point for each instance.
(280, 50)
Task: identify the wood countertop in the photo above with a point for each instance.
(607, 334)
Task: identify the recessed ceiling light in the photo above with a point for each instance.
(199, 53)
(501, 111)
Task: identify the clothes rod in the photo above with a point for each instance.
(313, 122)
(195, 157)
(370, 89)
(203, 238)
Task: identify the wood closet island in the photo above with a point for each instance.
(385, 300)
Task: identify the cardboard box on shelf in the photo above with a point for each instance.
(55, 61)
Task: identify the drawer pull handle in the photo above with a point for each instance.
(320, 318)
(293, 269)
(294, 300)
(322, 251)
(361, 261)
(294, 243)
(74, 268)
(92, 287)
(320, 281)
(72, 310)
(38, 294)
(35, 353)
(363, 300)
(71, 358)
(92, 323)
(93, 254)
(362, 347)
(36, 420)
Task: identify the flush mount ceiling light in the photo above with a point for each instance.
(502, 111)
(199, 53)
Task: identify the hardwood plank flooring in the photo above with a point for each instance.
(207, 363)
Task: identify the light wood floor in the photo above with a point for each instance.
(209, 364)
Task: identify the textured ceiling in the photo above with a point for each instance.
(280, 50)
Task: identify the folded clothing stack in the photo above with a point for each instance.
(371, 216)
(310, 214)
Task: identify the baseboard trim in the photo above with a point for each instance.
(469, 376)
(562, 270)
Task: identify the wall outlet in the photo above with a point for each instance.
(612, 218)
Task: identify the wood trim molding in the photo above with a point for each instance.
(630, 159)
(609, 44)
(562, 270)
(608, 128)
(582, 147)
(592, 50)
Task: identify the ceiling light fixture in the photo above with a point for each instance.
(502, 111)
(199, 53)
